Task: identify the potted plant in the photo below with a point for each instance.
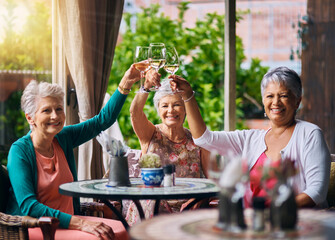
(151, 169)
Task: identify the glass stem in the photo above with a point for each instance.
(142, 80)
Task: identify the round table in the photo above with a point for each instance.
(186, 188)
(201, 225)
(98, 188)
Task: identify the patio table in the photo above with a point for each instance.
(198, 188)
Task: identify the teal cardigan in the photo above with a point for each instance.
(22, 167)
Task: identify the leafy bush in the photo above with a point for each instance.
(201, 50)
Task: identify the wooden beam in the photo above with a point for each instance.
(230, 66)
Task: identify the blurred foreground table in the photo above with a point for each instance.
(201, 225)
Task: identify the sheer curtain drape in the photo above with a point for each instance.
(89, 34)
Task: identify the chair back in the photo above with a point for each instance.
(331, 188)
(4, 188)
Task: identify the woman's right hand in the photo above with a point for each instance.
(99, 229)
(131, 76)
(152, 78)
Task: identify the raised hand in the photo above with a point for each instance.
(181, 86)
(152, 78)
(130, 77)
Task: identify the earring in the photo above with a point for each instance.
(265, 115)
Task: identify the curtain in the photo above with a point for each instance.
(89, 33)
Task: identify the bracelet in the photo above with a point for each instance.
(124, 90)
(190, 97)
(142, 89)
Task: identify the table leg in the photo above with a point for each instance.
(117, 213)
(156, 209)
(139, 208)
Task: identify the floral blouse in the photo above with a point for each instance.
(184, 155)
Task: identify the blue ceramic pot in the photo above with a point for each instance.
(152, 176)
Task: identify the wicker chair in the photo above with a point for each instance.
(16, 227)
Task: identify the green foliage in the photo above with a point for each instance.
(27, 50)
(32, 48)
(201, 49)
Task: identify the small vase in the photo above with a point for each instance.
(152, 176)
(118, 172)
(283, 208)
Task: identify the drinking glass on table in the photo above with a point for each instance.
(171, 60)
(157, 54)
(217, 164)
(141, 63)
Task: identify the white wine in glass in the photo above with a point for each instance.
(172, 60)
(157, 55)
(141, 62)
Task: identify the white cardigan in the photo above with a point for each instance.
(307, 147)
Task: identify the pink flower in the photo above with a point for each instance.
(195, 167)
(173, 157)
(177, 145)
(158, 135)
(190, 146)
(183, 162)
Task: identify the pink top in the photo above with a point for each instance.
(256, 185)
(52, 172)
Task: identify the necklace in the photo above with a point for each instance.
(49, 152)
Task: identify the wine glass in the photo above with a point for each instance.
(157, 53)
(141, 63)
(216, 166)
(172, 60)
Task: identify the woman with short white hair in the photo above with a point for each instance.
(288, 138)
(169, 139)
(43, 159)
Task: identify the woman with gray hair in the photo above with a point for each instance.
(169, 139)
(287, 138)
(43, 159)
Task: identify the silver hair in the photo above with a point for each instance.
(163, 91)
(34, 91)
(283, 75)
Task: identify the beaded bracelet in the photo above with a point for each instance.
(190, 97)
(124, 90)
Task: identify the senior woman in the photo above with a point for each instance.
(287, 137)
(43, 159)
(169, 139)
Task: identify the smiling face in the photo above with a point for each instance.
(172, 110)
(280, 104)
(49, 118)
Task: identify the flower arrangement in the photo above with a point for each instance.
(150, 160)
(281, 170)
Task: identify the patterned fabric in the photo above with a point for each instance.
(184, 155)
